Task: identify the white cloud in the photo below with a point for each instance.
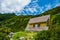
(56, 3)
(48, 6)
(45, 8)
(34, 1)
(13, 5)
(41, 9)
(32, 10)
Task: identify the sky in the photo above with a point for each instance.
(30, 7)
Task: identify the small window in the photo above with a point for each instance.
(33, 25)
(36, 25)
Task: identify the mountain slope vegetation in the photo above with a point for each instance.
(12, 23)
(4, 17)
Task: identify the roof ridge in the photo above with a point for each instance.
(40, 16)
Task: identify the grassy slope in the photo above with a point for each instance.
(18, 23)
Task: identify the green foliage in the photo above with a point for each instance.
(17, 23)
(11, 22)
(48, 35)
(56, 18)
(4, 17)
(3, 33)
(18, 35)
(26, 35)
(44, 35)
(3, 36)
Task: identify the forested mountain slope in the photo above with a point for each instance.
(13, 23)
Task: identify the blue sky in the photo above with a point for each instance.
(44, 2)
(30, 7)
